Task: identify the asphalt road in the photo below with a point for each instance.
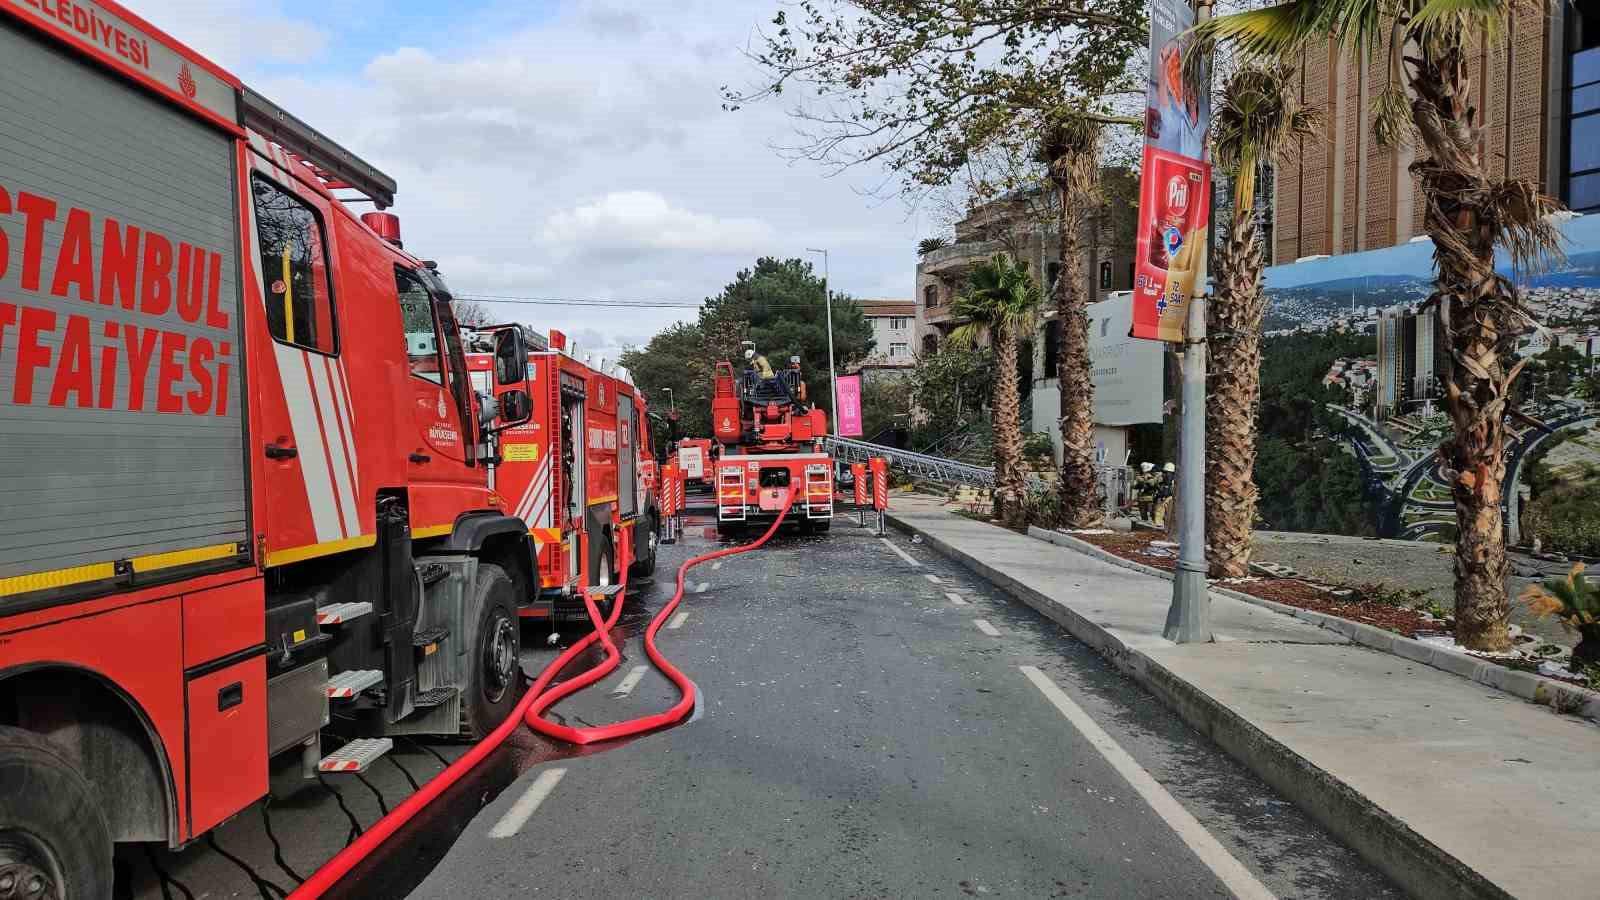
(861, 734)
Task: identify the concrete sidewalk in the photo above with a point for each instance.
(1451, 788)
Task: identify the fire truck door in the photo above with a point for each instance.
(310, 471)
(575, 482)
(439, 432)
(628, 487)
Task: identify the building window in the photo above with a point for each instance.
(1105, 275)
(1052, 348)
(1051, 274)
(899, 323)
(930, 296)
(1581, 186)
(899, 350)
(930, 344)
(294, 269)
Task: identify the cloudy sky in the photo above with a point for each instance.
(563, 148)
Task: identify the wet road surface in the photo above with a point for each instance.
(876, 722)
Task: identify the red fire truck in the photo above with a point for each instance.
(771, 439)
(695, 458)
(242, 468)
(580, 472)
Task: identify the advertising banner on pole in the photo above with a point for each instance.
(1175, 185)
(849, 405)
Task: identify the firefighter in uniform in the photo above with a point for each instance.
(1144, 489)
(1166, 494)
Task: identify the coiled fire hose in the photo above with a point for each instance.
(531, 710)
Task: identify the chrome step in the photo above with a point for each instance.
(350, 683)
(429, 636)
(600, 592)
(356, 756)
(339, 613)
(435, 697)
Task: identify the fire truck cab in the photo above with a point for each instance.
(248, 520)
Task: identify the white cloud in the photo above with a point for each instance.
(624, 221)
(238, 33)
(572, 149)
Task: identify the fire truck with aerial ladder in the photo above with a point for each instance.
(244, 471)
(769, 438)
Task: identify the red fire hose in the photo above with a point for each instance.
(531, 709)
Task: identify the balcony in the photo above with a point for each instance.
(954, 260)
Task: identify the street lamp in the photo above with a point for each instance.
(833, 380)
(671, 399)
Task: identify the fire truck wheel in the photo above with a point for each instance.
(646, 565)
(494, 679)
(54, 840)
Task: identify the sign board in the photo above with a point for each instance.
(1175, 184)
(1126, 371)
(849, 388)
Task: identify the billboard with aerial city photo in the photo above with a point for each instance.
(1351, 399)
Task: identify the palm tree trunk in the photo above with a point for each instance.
(1007, 420)
(1234, 331)
(1074, 177)
(1476, 312)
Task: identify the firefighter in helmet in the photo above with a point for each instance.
(1144, 489)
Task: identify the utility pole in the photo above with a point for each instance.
(1189, 616)
(833, 378)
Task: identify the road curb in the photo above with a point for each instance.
(1560, 696)
(1418, 865)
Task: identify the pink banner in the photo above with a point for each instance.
(849, 387)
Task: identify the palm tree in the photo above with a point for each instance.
(1002, 300)
(1069, 147)
(1468, 214)
(1257, 119)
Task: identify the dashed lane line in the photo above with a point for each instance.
(984, 626)
(900, 553)
(716, 565)
(701, 587)
(933, 578)
(526, 805)
(630, 681)
(677, 621)
(955, 598)
(1229, 870)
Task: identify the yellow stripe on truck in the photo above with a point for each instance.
(59, 578)
(312, 551)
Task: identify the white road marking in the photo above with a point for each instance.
(1229, 870)
(701, 587)
(630, 681)
(955, 598)
(716, 565)
(984, 626)
(677, 621)
(900, 553)
(933, 578)
(519, 813)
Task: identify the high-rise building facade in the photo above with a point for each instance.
(1534, 88)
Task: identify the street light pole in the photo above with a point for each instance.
(1189, 616)
(833, 378)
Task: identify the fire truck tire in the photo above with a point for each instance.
(821, 527)
(494, 676)
(646, 565)
(52, 831)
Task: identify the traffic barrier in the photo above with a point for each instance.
(669, 502)
(880, 491)
(858, 474)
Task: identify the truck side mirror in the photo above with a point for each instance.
(515, 408)
(510, 357)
